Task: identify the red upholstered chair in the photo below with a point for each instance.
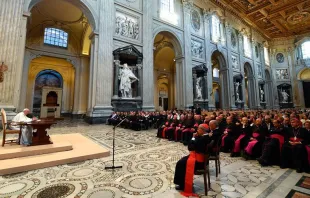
(5, 131)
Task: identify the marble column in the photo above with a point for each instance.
(255, 76)
(148, 68)
(180, 84)
(205, 86)
(207, 23)
(275, 96)
(194, 85)
(187, 7)
(232, 100)
(77, 89)
(116, 74)
(23, 93)
(101, 73)
(241, 66)
(140, 71)
(81, 85)
(12, 41)
(293, 77)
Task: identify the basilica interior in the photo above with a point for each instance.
(77, 61)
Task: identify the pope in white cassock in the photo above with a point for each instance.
(26, 136)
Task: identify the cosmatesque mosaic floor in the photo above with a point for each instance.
(148, 169)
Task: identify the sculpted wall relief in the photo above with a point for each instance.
(197, 49)
(127, 26)
(234, 62)
(282, 74)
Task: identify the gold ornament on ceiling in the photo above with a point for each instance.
(298, 18)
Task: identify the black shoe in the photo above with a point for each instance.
(299, 170)
(179, 188)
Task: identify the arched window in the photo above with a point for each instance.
(305, 50)
(266, 55)
(247, 46)
(216, 30)
(167, 11)
(167, 5)
(56, 37)
(216, 73)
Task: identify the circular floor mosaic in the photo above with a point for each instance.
(148, 166)
(55, 191)
(11, 188)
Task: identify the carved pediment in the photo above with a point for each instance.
(201, 68)
(128, 52)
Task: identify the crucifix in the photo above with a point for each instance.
(3, 68)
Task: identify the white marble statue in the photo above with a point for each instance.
(284, 96)
(262, 93)
(198, 88)
(127, 78)
(237, 84)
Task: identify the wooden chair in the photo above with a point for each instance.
(216, 149)
(205, 171)
(5, 131)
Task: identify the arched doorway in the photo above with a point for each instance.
(166, 73)
(50, 72)
(45, 78)
(304, 78)
(220, 83)
(58, 38)
(249, 86)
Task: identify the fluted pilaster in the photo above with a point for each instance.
(12, 43)
(148, 68)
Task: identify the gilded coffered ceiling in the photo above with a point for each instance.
(274, 18)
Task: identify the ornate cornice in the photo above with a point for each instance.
(188, 5)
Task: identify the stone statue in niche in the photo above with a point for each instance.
(127, 78)
(127, 27)
(198, 88)
(262, 93)
(284, 96)
(197, 49)
(237, 87)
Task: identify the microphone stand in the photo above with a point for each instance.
(113, 145)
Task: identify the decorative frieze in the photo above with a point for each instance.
(259, 70)
(282, 74)
(234, 62)
(197, 49)
(188, 5)
(127, 26)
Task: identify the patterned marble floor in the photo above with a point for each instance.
(148, 169)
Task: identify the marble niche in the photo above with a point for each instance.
(200, 87)
(238, 91)
(262, 95)
(127, 86)
(285, 96)
(51, 102)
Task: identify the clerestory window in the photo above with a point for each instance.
(56, 37)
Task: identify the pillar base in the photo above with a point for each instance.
(98, 115)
